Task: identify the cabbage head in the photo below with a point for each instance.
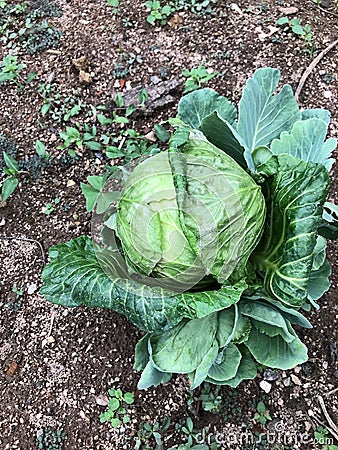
(190, 215)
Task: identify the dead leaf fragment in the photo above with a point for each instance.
(81, 63)
(85, 77)
(296, 380)
(70, 183)
(12, 368)
(175, 21)
(288, 10)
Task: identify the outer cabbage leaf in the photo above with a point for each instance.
(152, 377)
(199, 375)
(262, 115)
(182, 349)
(274, 351)
(226, 365)
(329, 224)
(295, 195)
(224, 135)
(306, 141)
(247, 370)
(74, 277)
(197, 105)
(319, 282)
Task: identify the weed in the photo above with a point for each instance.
(10, 71)
(158, 13)
(59, 109)
(116, 407)
(210, 398)
(196, 77)
(296, 27)
(8, 146)
(321, 438)
(124, 67)
(198, 7)
(16, 304)
(262, 415)
(50, 207)
(11, 172)
(48, 439)
(146, 431)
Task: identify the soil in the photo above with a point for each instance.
(58, 364)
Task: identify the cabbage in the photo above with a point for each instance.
(190, 215)
(214, 246)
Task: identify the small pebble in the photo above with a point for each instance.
(265, 386)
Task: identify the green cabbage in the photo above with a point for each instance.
(190, 214)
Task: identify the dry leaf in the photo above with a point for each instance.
(85, 77)
(12, 368)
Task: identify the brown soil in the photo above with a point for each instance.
(56, 363)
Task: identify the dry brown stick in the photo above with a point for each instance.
(312, 66)
(326, 414)
(332, 432)
(13, 238)
(331, 392)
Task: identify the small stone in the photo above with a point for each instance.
(322, 72)
(155, 79)
(236, 8)
(265, 386)
(70, 183)
(31, 288)
(271, 375)
(296, 380)
(327, 94)
(280, 402)
(288, 10)
(335, 373)
(297, 369)
(102, 400)
(2, 223)
(325, 365)
(50, 340)
(287, 381)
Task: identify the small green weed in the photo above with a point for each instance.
(322, 439)
(59, 109)
(158, 13)
(196, 77)
(198, 7)
(116, 407)
(10, 71)
(146, 431)
(50, 206)
(11, 181)
(296, 27)
(48, 439)
(262, 415)
(16, 304)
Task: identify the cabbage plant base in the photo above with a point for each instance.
(221, 335)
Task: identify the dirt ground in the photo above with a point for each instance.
(58, 364)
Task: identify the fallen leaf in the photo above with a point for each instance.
(70, 183)
(175, 21)
(81, 63)
(85, 77)
(12, 368)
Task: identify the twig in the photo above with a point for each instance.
(5, 238)
(325, 426)
(51, 324)
(331, 392)
(327, 11)
(326, 414)
(312, 66)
